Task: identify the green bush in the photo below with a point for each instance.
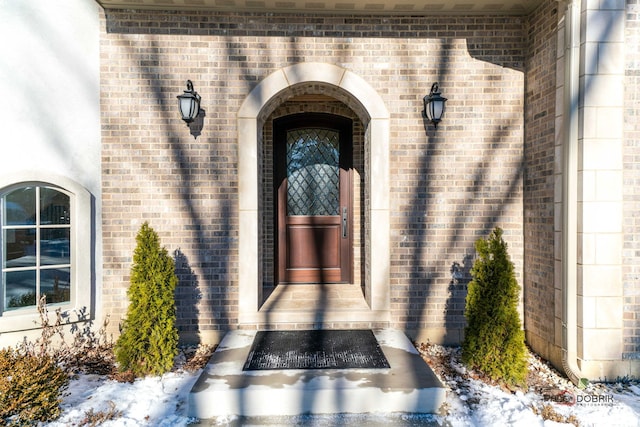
(494, 341)
(30, 388)
(149, 340)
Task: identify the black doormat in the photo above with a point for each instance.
(315, 349)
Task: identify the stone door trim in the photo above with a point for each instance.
(251, 118)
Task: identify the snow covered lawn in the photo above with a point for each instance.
(152, 401)
(162, 401)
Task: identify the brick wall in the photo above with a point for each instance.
(539, 157)
(631, 168)
(448, 187)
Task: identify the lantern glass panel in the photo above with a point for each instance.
(437, 109)
(187, 107)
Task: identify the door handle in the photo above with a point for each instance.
(345, 219)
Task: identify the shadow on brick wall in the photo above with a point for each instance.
(187, 295)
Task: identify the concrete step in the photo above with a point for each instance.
(224, 389)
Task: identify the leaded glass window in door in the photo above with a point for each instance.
(313, 172)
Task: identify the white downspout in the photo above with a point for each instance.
(570, 195)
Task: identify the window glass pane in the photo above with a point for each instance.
(20, 207)
(54, 207)
(20, 248)
(20, 289)
(55, 246)
(54, 283)
(313, 172)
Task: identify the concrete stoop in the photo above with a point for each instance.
(224, 389)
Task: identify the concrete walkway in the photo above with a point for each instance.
(336, 420)
(224, 390)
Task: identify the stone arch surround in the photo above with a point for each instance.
(367, 103)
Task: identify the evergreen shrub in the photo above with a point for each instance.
(149, 340)
(31, 387)
(494, 340)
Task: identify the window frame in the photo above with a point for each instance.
(81, 259)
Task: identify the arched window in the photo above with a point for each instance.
(45, 249)
(36, 246)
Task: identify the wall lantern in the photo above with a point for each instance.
(434, 105)
(189, 103)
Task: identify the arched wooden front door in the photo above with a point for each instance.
(312, 176)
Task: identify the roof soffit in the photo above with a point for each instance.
(349, 7)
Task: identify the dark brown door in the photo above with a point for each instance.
(312, 159)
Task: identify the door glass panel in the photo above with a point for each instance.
(313, 172)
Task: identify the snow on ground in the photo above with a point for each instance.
(162, 401)
(151, 401)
